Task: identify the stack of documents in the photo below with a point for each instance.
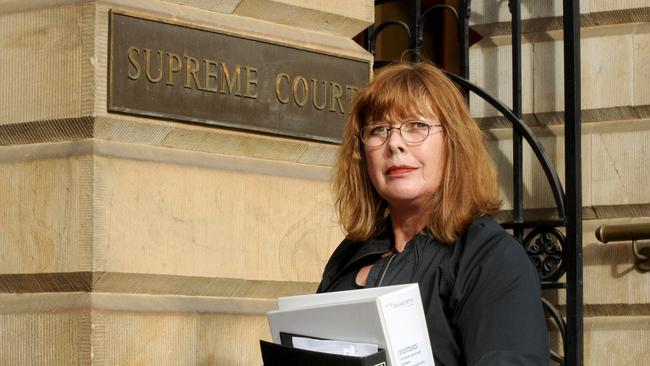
(390, 319)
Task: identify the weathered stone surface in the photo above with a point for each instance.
(225, 224)
(491, 69)
(230, 143)
(46, 63)
(537, 192)
(605, 5)
(339, 17)
(219, 339)
(614, 164)
(617, 340)
(85, 337)
(342, 18)
(613, 68)
(46, 211)
(67, 129)
(619, 167)
(45, 338)
(641, 45)
(243, 218)
(486, 12)
(220, 6)
(613, 340)
(147, 283)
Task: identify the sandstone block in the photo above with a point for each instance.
(617, 340)
(339, 17)
(46, 64)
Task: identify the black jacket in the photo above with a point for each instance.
(481, 295)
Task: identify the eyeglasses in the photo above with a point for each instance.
(411, 131)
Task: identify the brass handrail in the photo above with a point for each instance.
(624, 232)
(629, 232)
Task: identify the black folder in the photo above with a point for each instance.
(285, 355)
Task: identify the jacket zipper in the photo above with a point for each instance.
(417, 263)
(383, 270)
(342, 272)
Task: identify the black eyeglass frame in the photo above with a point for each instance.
(389, 128)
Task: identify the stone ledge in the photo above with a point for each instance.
(191, 137)
(225, 7)
(281, 166)
(552, 24)
(150, 284)
(588, 213)
(46, 131)
(339, 17)
(80, 301)
(241, 301)
(211, 139)
(611, 310)
(623, 310)
(320, 16)
(589, 116)
(175, 135)
(15, 6)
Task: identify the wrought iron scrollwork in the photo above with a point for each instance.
(545, 248)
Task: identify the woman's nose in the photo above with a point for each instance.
(395, 140)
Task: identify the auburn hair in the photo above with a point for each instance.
(469, 186)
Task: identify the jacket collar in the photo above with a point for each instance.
(376, 245)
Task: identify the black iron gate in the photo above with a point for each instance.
(554, 254)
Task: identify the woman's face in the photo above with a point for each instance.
(405, 173)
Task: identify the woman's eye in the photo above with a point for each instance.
(378, 130)
(417, 125)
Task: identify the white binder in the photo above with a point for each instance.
(391, 317)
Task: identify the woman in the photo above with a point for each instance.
(414, 189)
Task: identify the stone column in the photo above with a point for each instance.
(140, 240)
(615, 63)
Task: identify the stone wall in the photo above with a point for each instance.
(129, 240)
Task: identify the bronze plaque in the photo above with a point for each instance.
(185, 73)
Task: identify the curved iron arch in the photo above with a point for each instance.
(525, 131)
(422, 20)
(373, 33)
(561, 326)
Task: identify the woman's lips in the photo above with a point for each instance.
(399, 170)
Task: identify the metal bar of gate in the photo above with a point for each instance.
(517, 143)
(572, 157)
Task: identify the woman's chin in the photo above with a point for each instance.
(406, 199)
